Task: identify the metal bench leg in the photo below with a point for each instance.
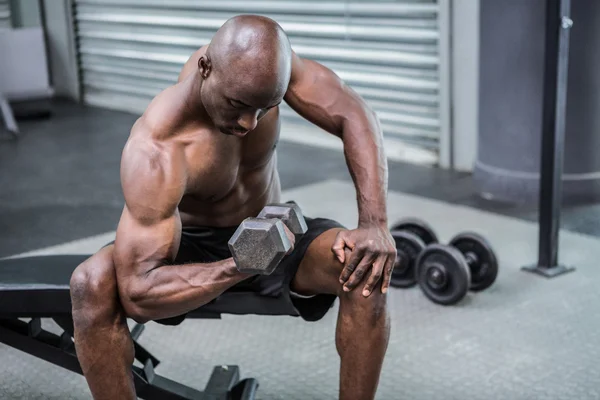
(31, 338)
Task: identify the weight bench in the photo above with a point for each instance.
(38, 287)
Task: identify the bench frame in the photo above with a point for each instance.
(31, 338)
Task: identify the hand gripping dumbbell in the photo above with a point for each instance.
(446, 272)
(260, 243)
(411, 235)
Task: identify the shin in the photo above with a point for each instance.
(363, 325)
(102, 340)
(362, 336)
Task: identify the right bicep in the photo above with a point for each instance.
(141, 247)
(149, 230)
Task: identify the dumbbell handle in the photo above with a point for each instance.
(471, 258)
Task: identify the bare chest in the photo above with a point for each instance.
(219, 165)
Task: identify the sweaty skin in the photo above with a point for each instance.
(203, 154)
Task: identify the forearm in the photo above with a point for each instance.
(319, 95)
(172, 290)
(367, 163)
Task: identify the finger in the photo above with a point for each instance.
(351, 263)
(387, 273)
(338, 247)
(359, 273)
(375, 277)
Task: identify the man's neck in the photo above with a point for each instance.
(192, 87)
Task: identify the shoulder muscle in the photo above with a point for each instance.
(153, 179)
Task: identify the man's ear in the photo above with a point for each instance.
(205, 66)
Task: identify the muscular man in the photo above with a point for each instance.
(200, 160)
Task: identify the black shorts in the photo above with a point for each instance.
(260, 294)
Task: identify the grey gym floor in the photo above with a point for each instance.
(524, 338)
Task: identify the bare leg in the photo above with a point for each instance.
(363, 325)
(102, 340)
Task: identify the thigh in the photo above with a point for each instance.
(319, 270)
(304, 283)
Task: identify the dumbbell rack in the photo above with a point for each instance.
(558, 26)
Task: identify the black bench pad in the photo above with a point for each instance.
(38, 286)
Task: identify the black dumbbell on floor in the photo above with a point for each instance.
(412, 236)
(446, 272)
(260, 243)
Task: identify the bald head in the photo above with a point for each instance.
(251, 37)
(254, 54)
(245, 72)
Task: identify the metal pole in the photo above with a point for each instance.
(558, 24)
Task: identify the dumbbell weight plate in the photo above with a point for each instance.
(408, 247)
(443, 274)
(485, 270)
(418, 227)
(289, 213)
(259, 245)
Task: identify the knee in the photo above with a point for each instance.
(92, 283)
(374, 300)
(369, 308)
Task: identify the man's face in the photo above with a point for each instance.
(234, 107)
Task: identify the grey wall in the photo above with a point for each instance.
(55, 17)
(511, 83)
(25, 13)
(61, 47)
(583, 97)
(5, 17)
(464, 82)
(510, 100)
